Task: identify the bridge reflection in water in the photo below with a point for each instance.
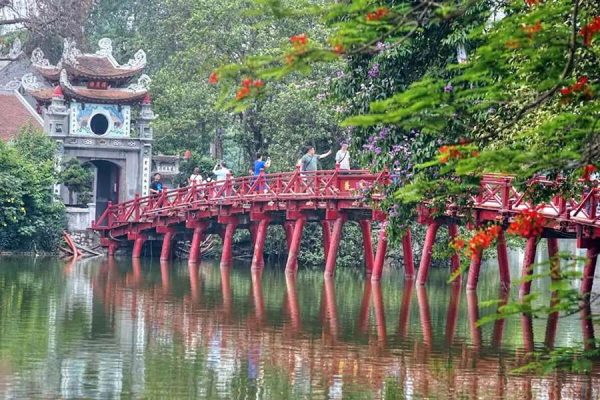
(216, 333)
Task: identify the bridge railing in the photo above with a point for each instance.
(318, 185)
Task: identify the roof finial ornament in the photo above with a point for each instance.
(138, 61)
(142, 84)
(64, 79)
(105, 45)
(30, 82)
(70, 52)
(38, 59)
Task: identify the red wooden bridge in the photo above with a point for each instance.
(333, 197)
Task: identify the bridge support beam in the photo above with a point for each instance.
(380, 256)
(326, 225)
(527, 271)
(503, 267)
(295, 236)
(226, 255)
(427, 251)
(197, 237)
(407, 251)
(455, 259)
(167, 244)
(258, 261)
(336, 236)
(365, 227)
(138, 244)
(474, 268)
(589, 270)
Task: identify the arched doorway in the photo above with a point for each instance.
(106, 187)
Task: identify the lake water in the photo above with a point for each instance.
(112, 329)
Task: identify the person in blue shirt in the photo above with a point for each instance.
(156, 186)
(260, 165)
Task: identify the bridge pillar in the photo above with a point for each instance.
(528, 261)
(365, 227)
(226, 255)
(259, 244)
(291, 266)
(455, 259)
(380, 255)
(589, 270)
(474, 268)
(326, 225)
(288, 227)
(427, 251)
(112, 249)
(407, 251)
(503, 267)
(336, 236)
(197, 237)
(137, 246)
(165, 252)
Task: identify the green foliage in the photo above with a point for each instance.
(78, 178)
(29, 218)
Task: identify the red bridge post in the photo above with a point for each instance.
(589, 270)
(407, 251)
(365, 227)
(455, 259)
(291, 266)
(259, 244)
(197, 237)
(326, 225)
(226, 255)
(138, 244)
(336, 236)
(503, 267)
(380, 256)
(474, 268)
(169, 234)
(528, 261)
(427, 251)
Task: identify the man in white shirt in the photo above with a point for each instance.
(342, 157)
(221, 171)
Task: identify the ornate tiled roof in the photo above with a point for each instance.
(100, 66)
(16, 113)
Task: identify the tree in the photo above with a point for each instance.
(78, 179)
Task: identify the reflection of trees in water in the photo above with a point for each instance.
(476, 369)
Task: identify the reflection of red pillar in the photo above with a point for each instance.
(380, 256)
(291, 266)
(137, 270)
(552, 322)
(193, 271)
(226, 255)
(425, 316)
(164, 276)
(427, 251)
(473, 313)
(326, 226)
(452, 314)
(112, 249)
(498, 331)
(257, 295)
(404, 319)
(197, 238)
(365, 227)
(226, 290)
(503, 267)
(527, 271)
(407, 252)
(259, 244)
(589, 270)
(165, 252)
(363, 315)
(292, 297)
(331, 307)
(455, 259)
(474, 268)
(138, 244)
(527, 327)
(334, 245)
(379, 312)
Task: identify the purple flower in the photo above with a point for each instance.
(397, 148)
(380, 46)
(374, 71)
(383, 133)
(448, 88)
(340, 74)
(377, 150)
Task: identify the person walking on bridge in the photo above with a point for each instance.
(260, 165)
(308, 162)
(156, 186)
(342, 157)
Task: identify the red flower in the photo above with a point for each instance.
(300, 40)
(532, 3)
(378, 14)
(258, 83)
(590, 30)
(484, 238)
(457, 244)
(242, 92)
(588, 170)
(213, 78)
(528, 224)
(531, 30)
(565, 91)
(289, 59)
(247, 82)
(338, 49)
